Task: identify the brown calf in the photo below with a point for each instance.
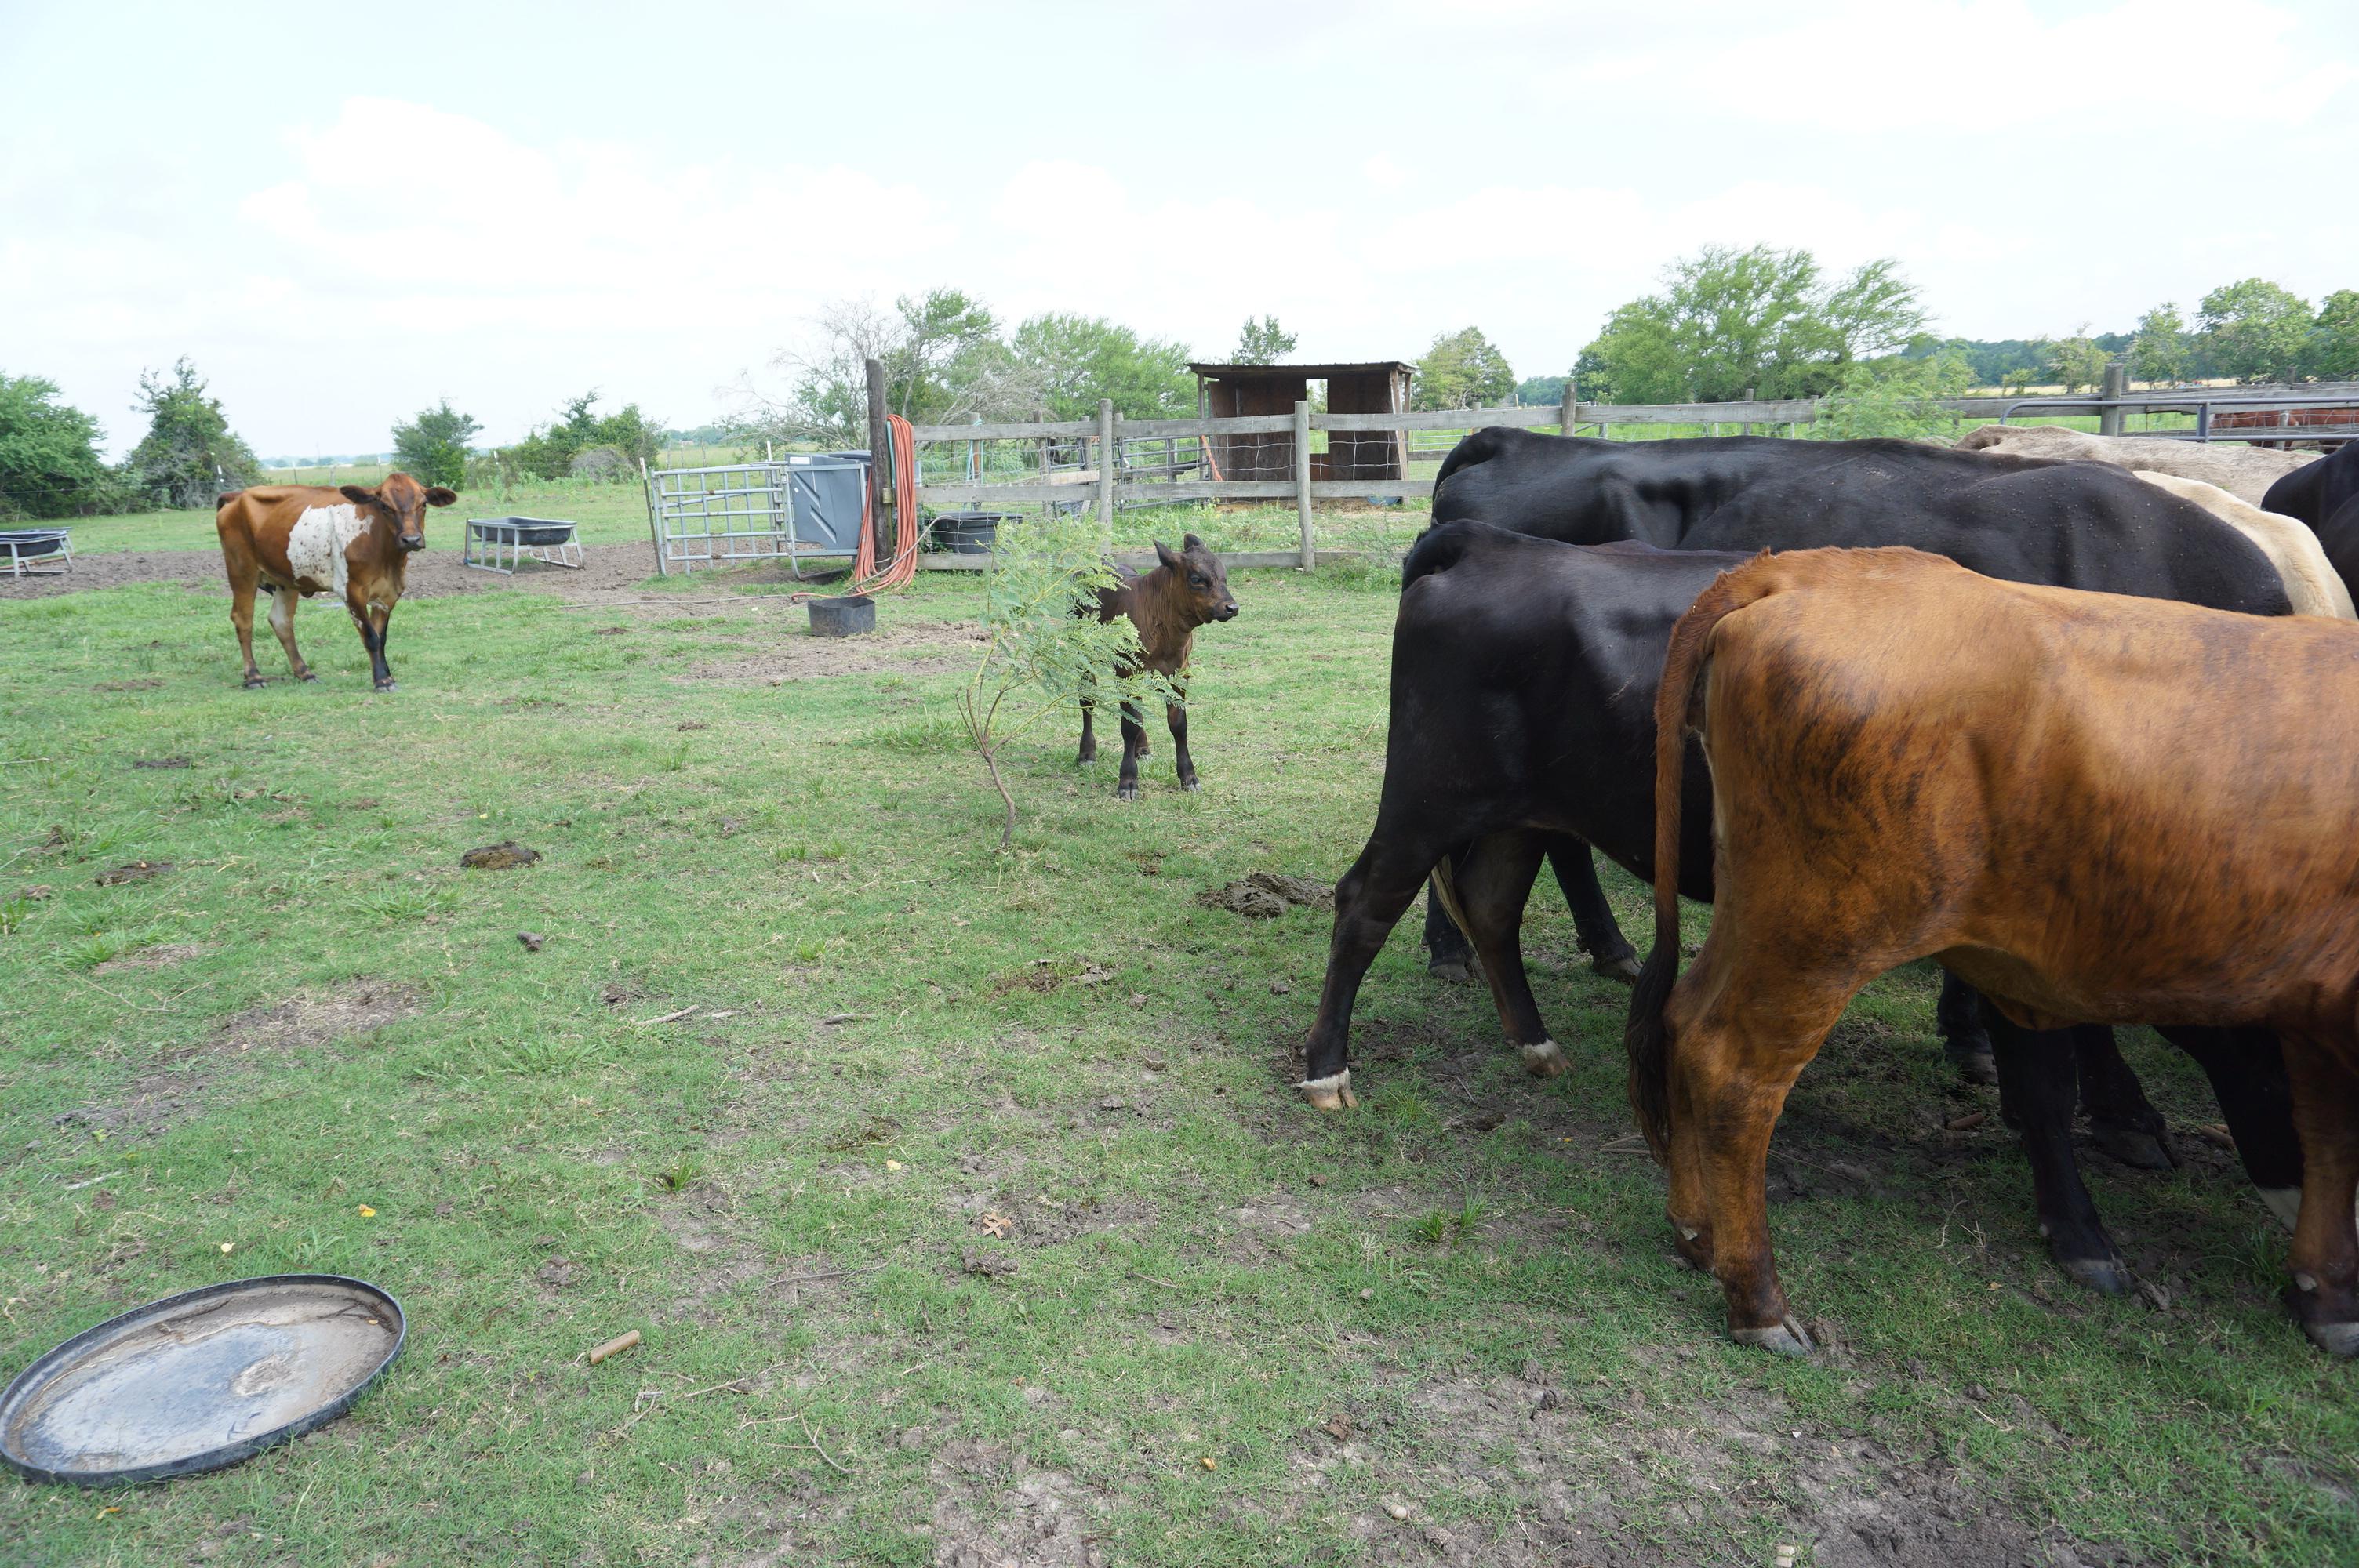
(296, 540)
(1187, 590)
(2093, 809)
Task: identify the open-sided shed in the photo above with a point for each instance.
(1380, 386)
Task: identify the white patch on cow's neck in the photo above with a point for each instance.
(316, 547)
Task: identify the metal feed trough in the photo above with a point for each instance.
(797, 504)
(491, 540)
(51, 548)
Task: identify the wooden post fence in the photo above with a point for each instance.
(880, 467)
(1569, 414)
(2115, 385)
(1302, 482)
(1108, 459)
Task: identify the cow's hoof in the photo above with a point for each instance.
(1544, 1060)
(1085, 758)
(309, 675)
(255, 683)
(1127, 792)
(2140, 1150)
(1191, 786)
(2106, 1276)
(384, 686)
(1457, 972)
(1785, 1338)
(1974, 1063)
(1621, 966)
(1331, 1093)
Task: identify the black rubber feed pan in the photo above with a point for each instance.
(527, 531)
(28, 543)
(199, 1380)
(845, 617)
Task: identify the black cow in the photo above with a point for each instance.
(2086, 525)
(2325, 494)
(1523, 690)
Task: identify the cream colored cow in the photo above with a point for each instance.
(2245, 472)
(2310, 581)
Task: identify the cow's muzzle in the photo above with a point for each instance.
(413, 541)
(1225, 613)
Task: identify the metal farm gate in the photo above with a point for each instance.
(797, 504)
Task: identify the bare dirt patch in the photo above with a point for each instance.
(902, 650)
(180, 1086)
(159, 957)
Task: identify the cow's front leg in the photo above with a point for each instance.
(1088, 751)
(2035, 1079)
(1134, 741)
(1176, 716)
(2325, 1294)
(371, 623)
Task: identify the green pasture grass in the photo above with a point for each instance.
(963, 1202)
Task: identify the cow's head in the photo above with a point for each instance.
(402, 502)
(1196, 576)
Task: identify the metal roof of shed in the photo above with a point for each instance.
(1312, 373)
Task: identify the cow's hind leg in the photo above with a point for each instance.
(1134, 746)
(1449, 955)
(2247, 1067)
(2325, 1294)
(2036, 1088)
(1489, 885)
(1610, 952)
(2121, 1121)
(1958, 1019)
(1368, 904)
(282, 622)
(240, 618)
(1088, 751)
(1739, 1036)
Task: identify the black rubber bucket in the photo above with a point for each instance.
(848, 617)
(969, 532)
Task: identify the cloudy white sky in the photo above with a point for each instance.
(342, 215)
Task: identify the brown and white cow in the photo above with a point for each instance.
(296, 540)
(2091, 808)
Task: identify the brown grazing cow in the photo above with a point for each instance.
(2093, 809)
(296, 540)
(1189, 589)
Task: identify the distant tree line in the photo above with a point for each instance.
(51, 465)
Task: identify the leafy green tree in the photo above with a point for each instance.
(2159, 350)
(1262, 342)
(1540, 391)
(2077, 361)
(190, 454)
(1898, 397)
(50, 461)
(1077, 360)
(1043, 654)
(1463, 370)
(2255, 330)
(432, 448)
(624, 439)
(1764, 319)
(2333, 353)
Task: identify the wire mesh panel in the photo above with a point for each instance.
(749, 512)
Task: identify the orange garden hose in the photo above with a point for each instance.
(902, 453)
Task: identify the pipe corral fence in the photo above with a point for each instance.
(708, 516)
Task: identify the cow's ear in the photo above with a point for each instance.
(438, 496)
(358, 497)
(1163, 553)
(1192, 543)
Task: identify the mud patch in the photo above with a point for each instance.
(181, 1086)
(902, 650)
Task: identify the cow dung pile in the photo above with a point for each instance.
(1265, 895)
(503, 857)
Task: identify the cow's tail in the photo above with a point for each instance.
(1646, 1036)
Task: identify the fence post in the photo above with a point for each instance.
(1746, 428)
(2116, 385)
(887, 529)
(1302, 482)
(1570, 413)
(1107, 458)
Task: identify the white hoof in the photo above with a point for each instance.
(1331, 1093)
(1545, 1060)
